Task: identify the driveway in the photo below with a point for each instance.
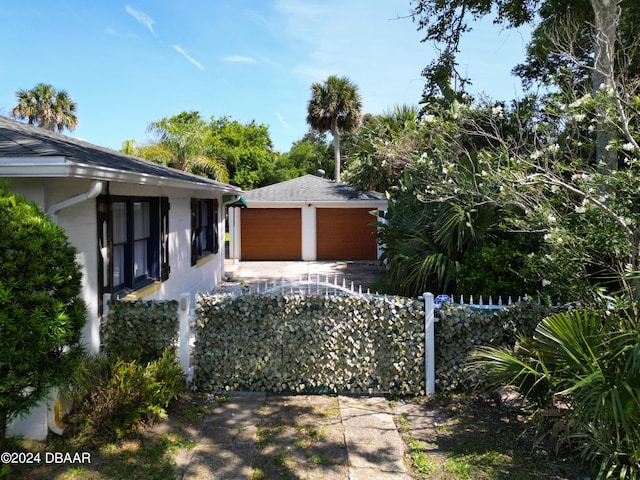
(363, 273)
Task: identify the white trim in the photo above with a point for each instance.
(320, 204)
(64, 168)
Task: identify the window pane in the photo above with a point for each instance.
(140, 267)
(141, 218)
(118, 265)
(119, 222)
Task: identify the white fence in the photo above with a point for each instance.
(332, 286)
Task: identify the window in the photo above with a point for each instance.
(204, 228)
(132, 242)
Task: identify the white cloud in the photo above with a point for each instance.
(185, 55)
(239, 59)
(142, 18)
(282, 120)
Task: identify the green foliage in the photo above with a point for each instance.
(114, 397)
(585, 366)
(41, 313)
(140, 330)
(309, 343)
(380, 150)
(312, 153)
(499, 267)
(461, 330)
(46, 107)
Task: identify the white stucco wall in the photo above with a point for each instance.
(79, 221)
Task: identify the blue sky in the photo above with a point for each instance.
(129, 64)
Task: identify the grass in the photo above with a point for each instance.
(144, 455)
(472, 438)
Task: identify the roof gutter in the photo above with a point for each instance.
(93, 192)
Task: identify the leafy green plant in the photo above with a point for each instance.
(584, 368)
(116, 396)
(41, 312)
(462, 329)
(140, 330)
(312, 343)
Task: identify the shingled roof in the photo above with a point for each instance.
(310, 188)
(25, 149)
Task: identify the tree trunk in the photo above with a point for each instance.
(607, 16)
(336, 147)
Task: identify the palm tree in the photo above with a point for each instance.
(46, 107)
(335, 106)
(182, 144)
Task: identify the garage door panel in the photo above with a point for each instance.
(271, 234)
(345, 234)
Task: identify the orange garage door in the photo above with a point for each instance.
(271, 234)
(345, 234)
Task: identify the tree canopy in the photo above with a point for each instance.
(335, 106)
(46, 107)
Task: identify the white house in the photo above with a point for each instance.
(306, 218)
(142, 230)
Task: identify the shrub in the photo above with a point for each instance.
(585, 367)
(115, 396)
(41, 313)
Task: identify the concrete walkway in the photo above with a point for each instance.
(226, 447)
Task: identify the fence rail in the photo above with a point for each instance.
(310, 285)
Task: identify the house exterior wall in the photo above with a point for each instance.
(79, 222)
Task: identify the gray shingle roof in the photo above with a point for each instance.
(309, 188)
(21, 141)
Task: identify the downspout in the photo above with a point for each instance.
(58, 404)
(93, 192)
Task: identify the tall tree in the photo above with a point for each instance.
(597, 40)
(335, 106)
(182, 143)
(383, 148)
(46, 107)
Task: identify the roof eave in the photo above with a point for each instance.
(61, 167)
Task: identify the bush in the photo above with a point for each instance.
(41, 313)
(115, 396)
(584, 366)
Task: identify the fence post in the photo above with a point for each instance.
(429, 344)
(183, 345)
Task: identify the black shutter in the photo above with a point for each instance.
(214, 223)
(194, 231)
(165, 267)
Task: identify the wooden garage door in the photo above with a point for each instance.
(345, 234)
(271, 234)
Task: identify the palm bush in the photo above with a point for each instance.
(581, 369)
(114, 396)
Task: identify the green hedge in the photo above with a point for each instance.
(140, 330)
(313, 343)
(462, 329)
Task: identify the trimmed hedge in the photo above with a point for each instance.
(309, 343)
(140, 330)
(462, 329)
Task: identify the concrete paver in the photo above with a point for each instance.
(226, 448)
(256, 273)
(374, 446)
(226, 444)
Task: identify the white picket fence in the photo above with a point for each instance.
(310, 285)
